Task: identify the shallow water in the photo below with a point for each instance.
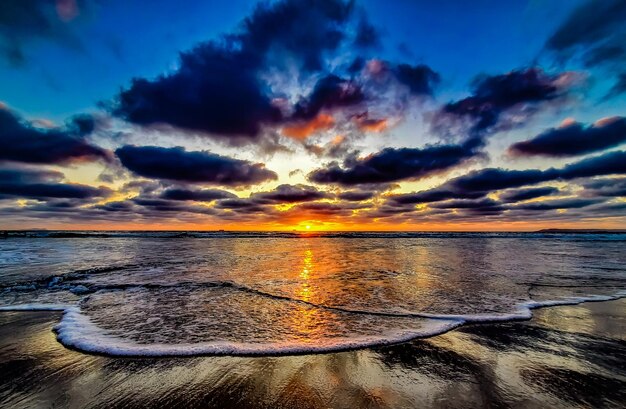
(225, 293)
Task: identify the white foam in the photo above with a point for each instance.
(523, 311)
(77, 331)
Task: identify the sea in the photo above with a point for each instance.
(269, 293)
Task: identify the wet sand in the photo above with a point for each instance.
(573, 356)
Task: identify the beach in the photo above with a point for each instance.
(566, 356)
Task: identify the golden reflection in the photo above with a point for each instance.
(307, 321)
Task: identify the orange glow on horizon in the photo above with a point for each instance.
(321, 226)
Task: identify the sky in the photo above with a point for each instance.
(313, 115)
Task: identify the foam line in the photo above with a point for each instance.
(77, 331)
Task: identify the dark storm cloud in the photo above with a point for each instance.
(614, 187)
(22, 21)
(217, 89)
(480, 183)
(329, 92)
(22, 141)
(494, 96)
(596, 33)
(193, 167)
(513, 196)
(574, 139)
(42, 185)
(197, 195)
(393, 164)
(289, 194)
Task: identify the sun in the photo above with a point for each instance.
(307, 227)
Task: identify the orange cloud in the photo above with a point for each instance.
(367, 124)
(303, 130)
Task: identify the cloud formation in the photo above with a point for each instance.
(218, 90)
(23, 141)
(493, 97)
(391, 164)
(595, 33)
(43, 184)
(196, 195)
(574, 138)
(480, 183)
(519, 195)
(177, 164)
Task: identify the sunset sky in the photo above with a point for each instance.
(312, 114)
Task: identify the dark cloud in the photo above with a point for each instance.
(23, 21)
(393, 164)
(614, 187)
(239, 89)
(289, 194)
(215, 91)
(366, 34)
(612, 163)
(244, 206)
(574, 139)
(218, 91)
(519, 195)
(558, 204)
(480, 183)
(22, 141)
(329, 92)
(420, 79)
(596, 33)
(302, 29)
(197, 195)
(327, 209)
(381, 75)
(116, 206)
(356, 195)
(519, 91)
(588, 24)
(482, 206)
(42, 185)
(193, 167)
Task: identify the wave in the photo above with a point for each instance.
(77, 331)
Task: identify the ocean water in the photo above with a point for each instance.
(169, 294)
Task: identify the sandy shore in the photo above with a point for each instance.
(571, 356)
